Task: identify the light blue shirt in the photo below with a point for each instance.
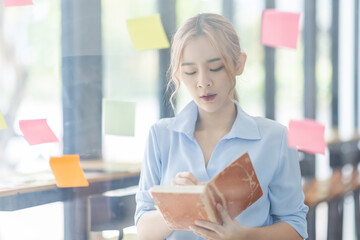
(172, 148)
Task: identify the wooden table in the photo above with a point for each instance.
(102, 177)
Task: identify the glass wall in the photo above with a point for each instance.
(31, 86)
(251, 84)
(129, 75)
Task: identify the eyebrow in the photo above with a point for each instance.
(208, 61)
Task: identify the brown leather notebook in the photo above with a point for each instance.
(236, 188)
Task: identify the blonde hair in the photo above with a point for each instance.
(220, 33)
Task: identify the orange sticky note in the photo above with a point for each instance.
(14, 3)
(68, 172)
(37, 131)
(307, 135)
(279, 29)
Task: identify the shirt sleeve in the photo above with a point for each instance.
(150, 176)
(285, 191)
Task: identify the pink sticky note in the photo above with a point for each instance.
(279, 29)
(37, 131)
(307, 135)
(13, 3)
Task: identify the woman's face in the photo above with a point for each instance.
(203, 73)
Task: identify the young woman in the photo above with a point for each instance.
(212, 131)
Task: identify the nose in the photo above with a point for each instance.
(204, 80)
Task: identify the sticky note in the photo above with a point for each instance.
(14, 3)
(2, 122)
(279, 29)
(147, 33)
(307, 135)
(68, 172)
(37, 131)
(118, 117)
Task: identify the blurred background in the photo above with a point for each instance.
(39, 78)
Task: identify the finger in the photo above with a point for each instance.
(185, 178)
(214, 227)
(181, 181)
(225, 217)
(189, 176)
(203, 232)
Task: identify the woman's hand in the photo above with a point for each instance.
(185, 178)
(230, 229)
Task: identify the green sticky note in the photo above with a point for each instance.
(119, 117)
(147, 33)
(2, 122)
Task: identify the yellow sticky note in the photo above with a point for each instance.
(2, 122)
(147, 33)
(68, 172)
(119, 117)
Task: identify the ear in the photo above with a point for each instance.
(241, 64)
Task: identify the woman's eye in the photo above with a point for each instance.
(190, 73)
(216, 69)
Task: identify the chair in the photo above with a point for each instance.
(112, 212)
(335, 188)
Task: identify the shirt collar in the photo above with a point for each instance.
(185, 120)
(244, 126)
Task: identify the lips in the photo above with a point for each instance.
(208, 97)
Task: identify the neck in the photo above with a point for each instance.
(223, 120)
